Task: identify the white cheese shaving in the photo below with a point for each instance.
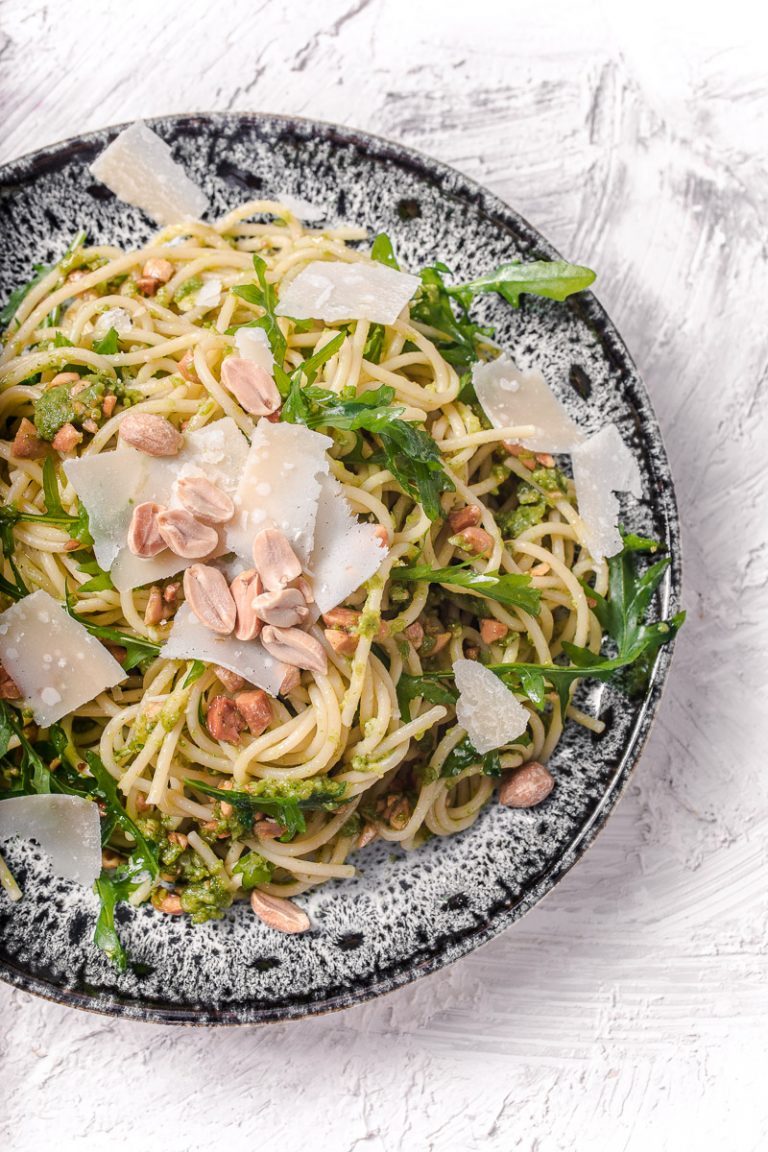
(299, 208)
(111, 484)
(117, 318)
(333, 290)
(490, 713)
(55, 662)
(139, 168)
(209, 296)
(253, 344)
(602, 466)
(346, 553)
(191, 640)
(67, 828)
(510, 397)
(279, 487)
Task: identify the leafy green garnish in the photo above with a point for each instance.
(65, 265)
(555, 279)
(513, 589)
(14, 301)
(437, 307)
(105, 788)
(374, 344)
(621, 615)
(254, 869)
(436, 687)
(383, 252)
(265, 297)
(109, 344)
(465, 754)
(284, 802)
(196, 670)
(137, 648)
(111, 888)
(409, 452)
(34, 773)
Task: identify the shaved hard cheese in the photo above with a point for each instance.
(117, 318)
(279, 487)
(67, 828)
(491, 715)
(346, 553)
(111, 484)
(55, 662)
(510, 397)
(333, 290)
(191, 640)
(139, 168)
(209, 296)
(299, 208)
(253, 344)
(602, 466)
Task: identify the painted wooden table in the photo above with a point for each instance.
(629, 1011)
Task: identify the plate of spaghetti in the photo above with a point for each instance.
(340, 568)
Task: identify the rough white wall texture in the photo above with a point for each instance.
(629, 1011)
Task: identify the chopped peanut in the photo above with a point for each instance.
(344, 643)
(66, 438)
(159, 269)
(232, 681)
(415, 634)
(468, 517)
(108, 406)
(224, 720)
(169, 902)
(255, 709)
(268, 829)
(476, 541)
(369, 833)
(64, 378)
(492, 630)
(27, 445)
(545, 459)
(178, 838)
(187, 367)
(154, 612)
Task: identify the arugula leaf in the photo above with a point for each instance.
(436, 306)
(621, 616)
(76, 525)
(14, 301)
(137, 648)
(284, 803)
(410, 453)
(383, 252)
(254, 869)
(99, 583)
(105, 788)
(374, 344)
(465, 754)
(196, 670)
(555, 279)
(429, 686)
(109, 344)
(265, 297)
(512, 589)
(111, 888)
(35, 773)
(65, 265)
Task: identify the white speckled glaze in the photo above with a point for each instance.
(405, 914)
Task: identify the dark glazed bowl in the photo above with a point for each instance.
(406, 914)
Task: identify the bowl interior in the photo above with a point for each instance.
(405, 914)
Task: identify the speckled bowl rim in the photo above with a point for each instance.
(455, 185)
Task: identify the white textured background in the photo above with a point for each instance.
(629, 1011)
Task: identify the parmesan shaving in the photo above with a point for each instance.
(334, 290)
(279, 487)
(117, 318)
(510, 397)
(139, 168)
(56, 663)
(253, 344)
(191, 640)
(491, 715)
(209, 296)
(67, 828)
(301, 209)
(346, 553)
(602, 466)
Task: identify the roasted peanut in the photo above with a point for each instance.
(185, 535)
(526, 786)
(144, 537)
(151, 434)
(209, 598)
